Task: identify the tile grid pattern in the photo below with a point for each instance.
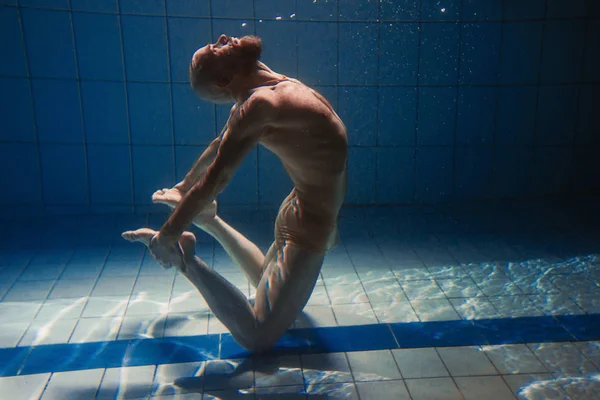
(368, 163)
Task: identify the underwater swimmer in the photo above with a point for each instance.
(300, 127)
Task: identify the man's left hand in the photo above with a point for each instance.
(166, 251)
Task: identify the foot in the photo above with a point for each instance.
(172, 198)
(187, 242)
(142, 235)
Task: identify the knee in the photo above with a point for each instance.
(258, 343)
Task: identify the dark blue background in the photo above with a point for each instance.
(487, 99)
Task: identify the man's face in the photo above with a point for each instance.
(206, 88)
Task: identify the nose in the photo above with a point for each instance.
(222, 39)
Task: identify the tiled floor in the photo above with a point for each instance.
(74, 280)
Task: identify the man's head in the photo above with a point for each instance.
(214, 66)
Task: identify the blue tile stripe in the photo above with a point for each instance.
(110, 354)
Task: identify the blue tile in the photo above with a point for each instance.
(557, 111)
(186, 35)
(12, 358)
(588, 124)
(437, 334)
(21, 159)
(185, 156)
(403, 10)
(522, 330)
(49, 41)
(586, 169)
(232, 9)
(518, 10)
(154, 7)
(150, 113)
(193, 119)
(398, 54)
(437, 114)
(480, 53)
(439, 53)
(317, 53)
(472, 180)
(434, 174)
(551, 170)
(591, 61)
(231, 27)
(440, 10)
(8, 2)
(274, 184)
(105, 112)
(357, 54)
(279, 50)
(64, 174)
(152, 170)
(243, 187)
(512, 177)
(572, 9)
(109, 6)
(563, 48)
(75, 357)
(358, 110)
(396, 175)
(330, 93)
(145, 44)
(98, 39)
(319, 10)
(57, 111)
(188, 8)
(110, 174)
(361, 175)
(63, 4)
(516, 115)
(353, 10)
(271, 9)
(222, 116)
(476, 108)
(172, 350)
(582, 327)
(397, 116)
(523, 41)
(482, 10)
(12, 46)
(15, 102)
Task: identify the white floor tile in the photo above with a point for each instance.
(434, 310)
(319, 297)
(141, 327)
(433, 388)
(168, 377)
(227, 374)
(535, 387)
(347, 294)
(466, 361)
(420, 363)
(29, 290)
(61, 309)
(154, 285)
(73, 385)
(23, 387)
(354, 314)
(383, 390)
(12, 332)
(148, 304)
(48, 332)
(514, 359)
(278, 371)
(315, 316)
(563, 358)
(425, 289)
(401, 311)
(384, 291)
(475, 308)
(186, 324)
(113, 286)
(72, 288)
(484, 387)
(373, 365)
(127, 382)
(96, 329)
(106, 306)
(325, 368)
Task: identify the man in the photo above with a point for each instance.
(299, 126)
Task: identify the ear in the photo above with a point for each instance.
(222, 80)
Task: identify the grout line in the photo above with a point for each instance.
(36, 139)
(81, 111)
(127, 111)
(377, 103)
(171, 109)
(415, 197)
(434, 85)
(492, 192)
(457, 104)
(534, 135)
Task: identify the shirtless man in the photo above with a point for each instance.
(299, 126)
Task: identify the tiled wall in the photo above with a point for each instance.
(444, 100)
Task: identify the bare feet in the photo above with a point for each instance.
(187, 240)
(172, 197)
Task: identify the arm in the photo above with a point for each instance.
(243, 132)
(200, 166)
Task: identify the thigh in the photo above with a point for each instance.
(286, 285)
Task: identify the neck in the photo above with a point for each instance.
(242, 87)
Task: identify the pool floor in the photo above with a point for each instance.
(494, 301)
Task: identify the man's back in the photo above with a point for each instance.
(311, 142)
